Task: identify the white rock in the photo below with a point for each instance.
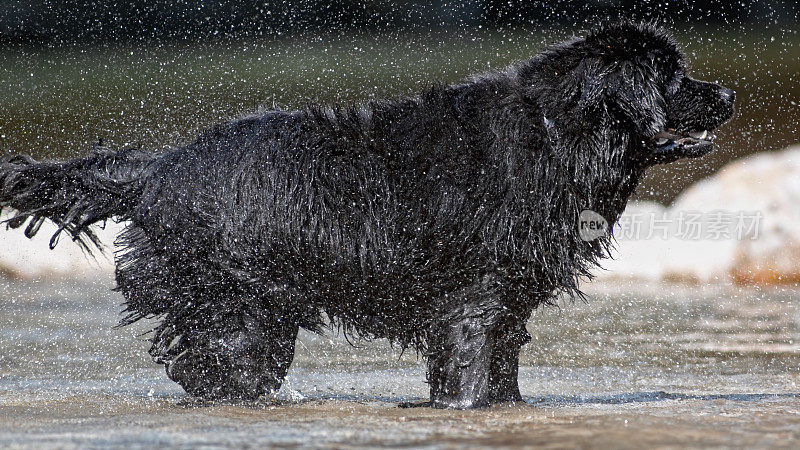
(754, 203)
(636, 256)
(25, 258)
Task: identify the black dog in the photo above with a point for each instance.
(439, 222)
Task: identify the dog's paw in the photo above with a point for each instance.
(216, 377)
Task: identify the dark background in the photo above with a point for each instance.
(114, 20)
(154, 73)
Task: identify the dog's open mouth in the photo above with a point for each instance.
(671, 145)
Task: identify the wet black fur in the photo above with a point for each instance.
(438, 222)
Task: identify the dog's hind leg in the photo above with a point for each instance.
(216, 339)
(239, 361)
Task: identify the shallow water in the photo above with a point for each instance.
(635, 366)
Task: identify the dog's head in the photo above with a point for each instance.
(631, 78)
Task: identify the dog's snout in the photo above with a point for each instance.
(728, 94)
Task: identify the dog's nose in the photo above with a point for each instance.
(728, 94)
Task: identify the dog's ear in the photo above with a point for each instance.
(622, 90)
(632, 93)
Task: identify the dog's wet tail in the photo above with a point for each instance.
(74, 194)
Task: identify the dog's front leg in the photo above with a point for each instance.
(508, 338)
(460, 353)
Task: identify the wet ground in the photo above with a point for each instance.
(635, 366)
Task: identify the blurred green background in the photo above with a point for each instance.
(153, 74)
